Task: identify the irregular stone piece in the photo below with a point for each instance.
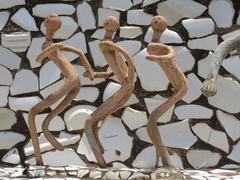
(9, 59)
(95, 174)
(76, 117)
(130, 32)
(203, 158)
(6, 76)
(67, 28)
(4, 91)
(23, 19)
(194, 86)
(10, 139)
(134, 118)
(85, 23)
(159, 81)
(103, 13)
(41, 10)
(56, 124)
(12, 157)
(154, 102)
(234, 155)
(230, 123)
(4, 15)
(204, 67)
(122, 5)
(139, 175)
(23, 103)
(139, 17)
(48, 74)
(231, 91)
(99, 34)
(25, 81)
(8, 4)
(206, 43)
(132, 47)
(198, 27)
(136, 2)
(175, 159)
(193, 111)
(88, 94)
(174, 10)
(232, 65)
(8, 119)
(222, 12)
(149, 2)
(111, 175)
(97, 55)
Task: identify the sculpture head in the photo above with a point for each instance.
(159, 23)
(111, 24)
(52, 22)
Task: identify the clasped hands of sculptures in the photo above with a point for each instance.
(121, 65)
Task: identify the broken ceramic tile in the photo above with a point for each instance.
(222, 12)
(204, 67)
(139, 175)
(103, 13)
(111, 175)
(6, 76)
(176, 160)
(24, 19)
(8, 119)
(9, 139)
(8, 4)
(131, 46)
(232, 64)
(25, 81)
(99, 59)
(149, 2)
(118, 5)
(4, 92)
(95, 174)
(41, 10)
(12, 157)
(88, 94)
(23, 103)
(9, 59)
(234, 155)
(4, 15)
(136, 2)
(130, 32)
(206, 43)
(99, 34)
(139, 17)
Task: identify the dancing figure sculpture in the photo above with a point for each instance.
(165, 57)
(124, 72)
(209, 87)
(54, 52)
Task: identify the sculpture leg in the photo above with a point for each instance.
(67, 100)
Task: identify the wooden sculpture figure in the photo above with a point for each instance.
(209, 87)
(54, 52)
(124, 72)
(165, 57)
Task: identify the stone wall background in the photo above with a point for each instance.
(202, 132)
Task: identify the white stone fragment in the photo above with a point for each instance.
(9, 59)
(131, 46)
(203, 158)
(230, 166)
(139, 17)
(139, 175)
(231, 34)
(67, 28)
(10, 139)
(176, 160)
(230, 123)
(136, 2)
(149, 2)
(41, 10)
(206, 43)
(130, 32)
(64, 139)
(211, 136)
(174, 10)
(198, 27)
(232, 65)
(222, 12)
(12, 157)
(17, 42)
(193, 111)
(204, 67)
(8, 119)
(85, 23)
(112, 88)
(154, 81)
(98, 34)
(34, 50)
(56, 124)
(114, 138)
(177, 135)
(231, 91)
(4, 91)
(94, 174)
(4, 15)
(48, 74)
(194, 86)
(8, 4)
(6, 76)
(146, 158)
(122, 5)
(25, 81)
(184, 58)
(103, 13)
(78, 41)
(76, 117)
(234, 155)
(154, 102)
(24, 19)
(88, 94)
(23, 103)
(134, 118)
(84, 149)
(97, 55)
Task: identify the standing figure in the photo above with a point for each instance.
(209, 87)
(124, 72)
(54, 52)
(165, 57)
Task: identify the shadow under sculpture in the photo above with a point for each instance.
(209, 87)
(70, 88)
(122, 66)
(165, 57)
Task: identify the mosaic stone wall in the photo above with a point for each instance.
(202, 132)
